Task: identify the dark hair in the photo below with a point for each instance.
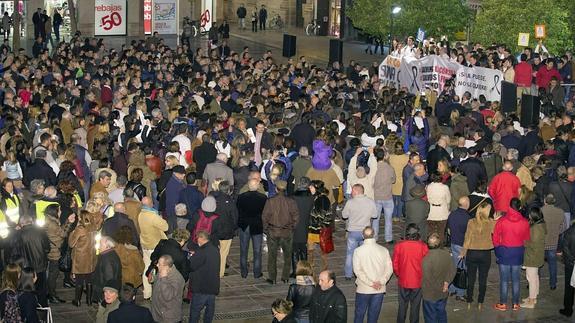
(26, 281)
(435, 177)
(191, 178)
(52, 210)
(515, 204)
(136, 175)
(127, 293)
(536, 216)
(124, 235)
(319, 187)
(412, 232)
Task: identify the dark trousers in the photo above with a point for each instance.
(53, 273)
(274, 243)
(569, 290)
(263, 24)
(254, 26)
(198, 302)
(434, 311)
(477, 261)
(57, 32)
(551, 258)
(42, 288)
(256, 239)
(299, 252)
(411, 296)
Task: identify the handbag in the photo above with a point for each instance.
(326, 240)
(65, 261)
(460, 279)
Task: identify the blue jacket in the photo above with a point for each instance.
(173, 189)
(192, 198)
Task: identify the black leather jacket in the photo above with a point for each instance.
(328, 306)
(300, 294)
(139, 189)
(29, 247)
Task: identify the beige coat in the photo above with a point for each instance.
(152, 228)
(398, 162)
(439, 198)
(371, 263)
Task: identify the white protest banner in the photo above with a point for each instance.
(479, 81)
(165, 17)
(429, 72)
(110, 18)
(389, 71)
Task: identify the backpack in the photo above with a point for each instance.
(11, 308)
(204, 224)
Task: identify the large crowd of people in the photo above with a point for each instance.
(137, 168)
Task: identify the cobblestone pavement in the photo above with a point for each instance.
(248, 300)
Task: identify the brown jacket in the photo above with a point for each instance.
(478, 237)
(56, 233)
(133, 209)
(82, 242)
(280, 216)
(132, 264)
(97, 187)
(67, 130)
(138, 160)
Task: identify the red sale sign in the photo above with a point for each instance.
(147, 17)
(110, 18)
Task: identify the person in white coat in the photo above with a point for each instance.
(373, 267)
(439, 198)
(361, 175)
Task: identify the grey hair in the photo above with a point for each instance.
(181, 209)
(36, 184)
(108, 242)
(103, 174)
(514, 153)
(50, 192)
(303, 151)
(222, 157)
(168, 260)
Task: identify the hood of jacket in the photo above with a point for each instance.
(513, 215)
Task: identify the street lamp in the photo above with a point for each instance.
(394, 11)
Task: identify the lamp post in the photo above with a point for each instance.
(394, 11)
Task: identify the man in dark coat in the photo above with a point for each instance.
(303, 134)
(437, 154)
(40, 170)
(250, 206)
(112, 225)
(417, 209)
(328, 304)
(305, 203)
(128, 310)
(569, 260)
(173, 188)
(29, 247)
(204, 266)
(474, 169)
(204, 154)
(191, 196)
(108, 267)
(228, 216)
(529, 142)
(263, 17)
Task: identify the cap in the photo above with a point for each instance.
(209, 204)
(112, 285)
(179, 169)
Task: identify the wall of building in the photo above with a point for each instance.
(286, 9)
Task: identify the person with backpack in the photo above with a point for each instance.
(227, 210)
(206, 220)
(9, 307)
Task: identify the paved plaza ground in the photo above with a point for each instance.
(248, 300)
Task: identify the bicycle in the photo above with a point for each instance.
(312, 28)
(276, 22)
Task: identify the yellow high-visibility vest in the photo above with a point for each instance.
(41, 206)
(78, 200)
(12, 210)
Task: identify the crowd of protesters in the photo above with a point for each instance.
(139, 167)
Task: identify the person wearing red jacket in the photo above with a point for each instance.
(523, 76)
(504, 187)
(545, 74)
(407, 265)
(509, 236)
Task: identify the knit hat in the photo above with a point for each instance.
(209, 204)
(417, 191)
(112, 285)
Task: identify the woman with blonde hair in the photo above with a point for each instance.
(82, 241)
(282, 311)
(476, 250)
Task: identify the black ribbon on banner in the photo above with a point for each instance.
(496, 80)
(414, 79)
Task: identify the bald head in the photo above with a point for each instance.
(119, 208)
(508, 166)
(147, 202)
(464, 202)
(368, 233)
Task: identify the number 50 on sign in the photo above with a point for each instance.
(110, 17)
